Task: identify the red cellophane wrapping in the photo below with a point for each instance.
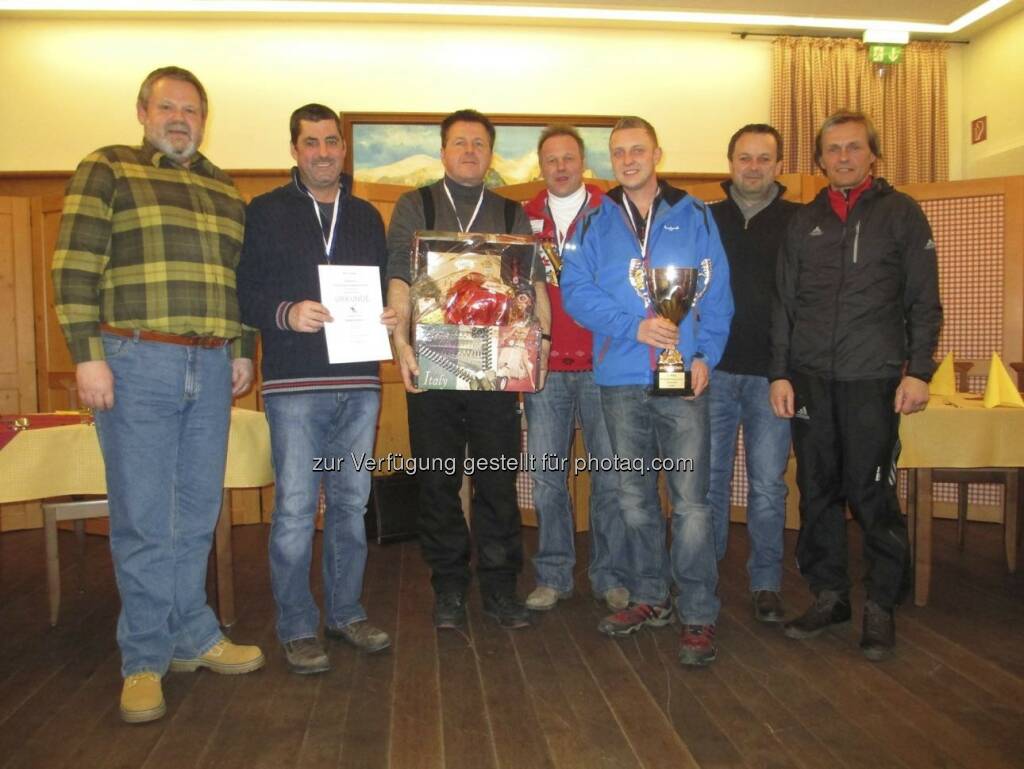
(476, 301)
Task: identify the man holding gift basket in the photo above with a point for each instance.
(453, 306)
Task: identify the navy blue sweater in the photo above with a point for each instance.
(282, 250)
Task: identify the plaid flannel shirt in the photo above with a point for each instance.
(147, 244)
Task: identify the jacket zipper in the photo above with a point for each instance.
(839, 293)
(856, 241)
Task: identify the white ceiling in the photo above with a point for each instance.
(848, 20)
(929, 11)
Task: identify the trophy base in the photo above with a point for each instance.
(672, 381)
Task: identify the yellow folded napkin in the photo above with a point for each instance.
(1000, 390)
(944, 379)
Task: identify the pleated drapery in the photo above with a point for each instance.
(814, 77)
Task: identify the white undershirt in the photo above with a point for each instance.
(564, 210)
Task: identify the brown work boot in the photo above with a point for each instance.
(306, 656)
(142, 698)
(225, 658)
(362, 635)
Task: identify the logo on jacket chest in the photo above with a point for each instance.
(638, 280)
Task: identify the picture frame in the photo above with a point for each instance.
(404, 147)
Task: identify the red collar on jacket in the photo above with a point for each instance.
(537, 206)
(843, 203)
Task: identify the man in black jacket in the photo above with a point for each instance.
(855, 324)
(321, 415)
(751, 222)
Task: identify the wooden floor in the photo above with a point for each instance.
(558, 695)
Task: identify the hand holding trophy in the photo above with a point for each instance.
(673, 291)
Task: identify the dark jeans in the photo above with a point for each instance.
(441, 426)
(846, 439)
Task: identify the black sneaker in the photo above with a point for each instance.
(829, 608)
(449, 611)
(507, 610)
(768, 606)
(879, 632)
(306, 656)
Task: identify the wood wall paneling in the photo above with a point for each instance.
(55, 372)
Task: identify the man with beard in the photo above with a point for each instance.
(144, 279)
(443, 424)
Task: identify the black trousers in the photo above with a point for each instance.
(441, 426)
(846, 439)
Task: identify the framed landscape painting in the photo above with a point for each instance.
(404, 148)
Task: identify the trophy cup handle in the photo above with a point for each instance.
(703, 271)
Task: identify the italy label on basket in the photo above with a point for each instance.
(473, 308)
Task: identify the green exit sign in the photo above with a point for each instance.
(884, 54)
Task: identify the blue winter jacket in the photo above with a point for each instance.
(598, 292)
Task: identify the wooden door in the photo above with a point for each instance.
(55, 372)
(17, 349)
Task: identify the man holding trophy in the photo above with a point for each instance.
(632, 274)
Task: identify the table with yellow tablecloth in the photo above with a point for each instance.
(957, 431)
(62, 461)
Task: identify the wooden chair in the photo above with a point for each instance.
(79, 509)
(1009, 478)
(53, 512)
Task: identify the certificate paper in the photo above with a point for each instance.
(352, 295)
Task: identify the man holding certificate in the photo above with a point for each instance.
(312, 263)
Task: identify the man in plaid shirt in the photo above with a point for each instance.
(144, 278)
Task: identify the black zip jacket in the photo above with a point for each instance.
(281, 253)
(752, 249)
(861, 299)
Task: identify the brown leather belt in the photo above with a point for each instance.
(208, 342)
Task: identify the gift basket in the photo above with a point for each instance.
(473, 305)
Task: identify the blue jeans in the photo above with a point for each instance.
(164, 445)
(645, 428)
(316, 437)
(551, 424)
(739, 399)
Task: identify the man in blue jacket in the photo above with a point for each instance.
(315, 409)
(646, 223)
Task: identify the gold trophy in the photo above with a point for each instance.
(673, 291)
